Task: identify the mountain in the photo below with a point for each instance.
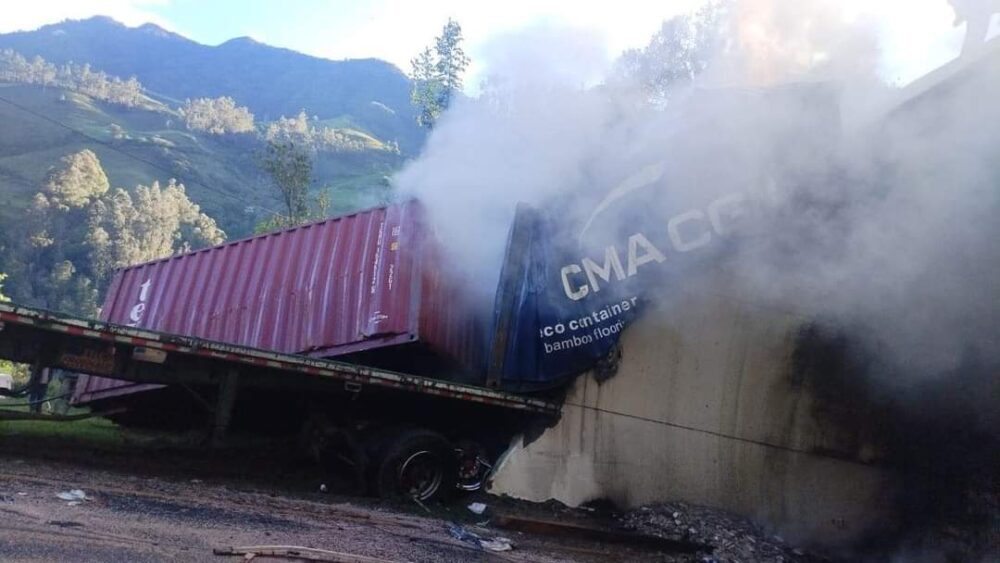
(367, 94)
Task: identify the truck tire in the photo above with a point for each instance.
(415, 464)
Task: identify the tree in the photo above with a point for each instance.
(680, 51)
(77, 181)
(217, 116)
(126, 229)
(290, 168)
(15, 68)
(437, 74)
(77, 231)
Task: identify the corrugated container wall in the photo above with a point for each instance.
(343, 285)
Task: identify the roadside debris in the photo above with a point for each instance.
(730, 537)
(477, 508)
(64, 524)
(74, 496)
(489, 544)
(296, 552)
(497, 544)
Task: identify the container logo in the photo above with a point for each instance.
(138, 310)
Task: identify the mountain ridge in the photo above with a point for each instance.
(271, 81)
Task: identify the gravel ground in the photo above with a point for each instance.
(161, 506)
(732, 539)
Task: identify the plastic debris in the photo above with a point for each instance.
(74, 495)
(477, 507)
(489, 544)
(461, 534)
(497, 544)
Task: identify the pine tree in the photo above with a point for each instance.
(437, 74)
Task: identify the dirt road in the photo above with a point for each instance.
(149, 505)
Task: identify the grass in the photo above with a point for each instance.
(93, 432)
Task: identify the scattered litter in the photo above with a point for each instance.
(323, 488)
(196, 481)
(489, 544)
(74, 495)
(461, 534)
(477, 507)
(74, 503)
(22, 494)
(497, 544)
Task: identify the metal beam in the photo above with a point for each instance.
(228, 388)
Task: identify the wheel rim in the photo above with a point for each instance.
(472, 468)
(420, 476)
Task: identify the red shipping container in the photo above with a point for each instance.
(343, 285)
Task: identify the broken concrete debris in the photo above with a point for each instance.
(730, 537)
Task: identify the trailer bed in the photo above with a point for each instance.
(56, 340)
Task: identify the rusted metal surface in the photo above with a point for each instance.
(100, 333)
(346, 284)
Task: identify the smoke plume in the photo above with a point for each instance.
(862, 211)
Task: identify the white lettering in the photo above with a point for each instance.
(579, 293)
(650, 253)
(718, 207)
(674, 226)
(144, 290)
(136, 314)
(612, 263)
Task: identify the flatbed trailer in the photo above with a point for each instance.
(377, 416)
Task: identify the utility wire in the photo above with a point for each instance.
(716, 434)
(118, 150)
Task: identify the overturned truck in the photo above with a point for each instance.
(345, 331)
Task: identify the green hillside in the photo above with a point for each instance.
(39, 125)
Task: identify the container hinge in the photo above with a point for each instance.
(352, 387)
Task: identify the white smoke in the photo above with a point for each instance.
(879, 217)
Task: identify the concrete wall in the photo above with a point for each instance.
(705, 368)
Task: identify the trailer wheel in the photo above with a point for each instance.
(473, 465)
(417, 464)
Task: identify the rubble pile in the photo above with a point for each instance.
(731, 539)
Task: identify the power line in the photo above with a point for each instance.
(118, 150)
(716, 434)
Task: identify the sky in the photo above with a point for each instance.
(916, 35)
